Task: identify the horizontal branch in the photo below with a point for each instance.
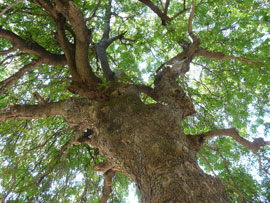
(233, 133)
(221, 56)
(7, 51)
(32, 111)
(32, 48)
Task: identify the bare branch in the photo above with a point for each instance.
(5, 84)
(108, 178)
(233, 133)
(32, 48)
(32, 111)
(221, 56)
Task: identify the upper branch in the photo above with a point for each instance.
(9, 7)
(48, 7)
(108, 15)
(33, 111)
(167, 89)
(71, 12)
(166, 7)
(104, 43)
(190, 21)
(153, 7)
(233, 133)
(221, 56)
(16, 76)
(32, 48)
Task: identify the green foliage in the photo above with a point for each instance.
(225, 93)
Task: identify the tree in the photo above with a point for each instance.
(76, 100)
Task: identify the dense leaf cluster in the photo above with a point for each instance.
(36, 162)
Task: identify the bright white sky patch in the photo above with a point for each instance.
(132, 198)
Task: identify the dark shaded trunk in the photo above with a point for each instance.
(147, 143)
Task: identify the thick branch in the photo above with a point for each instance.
(233, 133)
(32, 111)
(15, 77)
(221, 56)
(154, 8)
(102, 56)
(108, 178)
(48, 7)
(32, 48)
(68, 49)
(71, 12)
(167, 88)
(108, 14)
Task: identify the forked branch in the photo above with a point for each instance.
(72, 13)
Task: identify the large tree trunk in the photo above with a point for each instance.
(147, 143)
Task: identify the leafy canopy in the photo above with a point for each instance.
(36, 161)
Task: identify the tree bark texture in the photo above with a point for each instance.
(147, 143)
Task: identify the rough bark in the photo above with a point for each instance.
(147, 143)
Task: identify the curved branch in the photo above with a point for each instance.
(71, 12)
(233, 133)
(48, 7)
(7, 51)
(16, 76)
(33, 111)
(32, 48)
(154, 8)
(220, 56)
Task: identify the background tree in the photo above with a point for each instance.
(140, 91)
